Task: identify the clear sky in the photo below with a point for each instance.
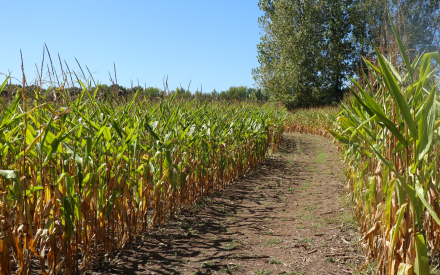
(211, 42)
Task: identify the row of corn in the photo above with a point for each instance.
(314, 121)
(81, 179)
(389, 129)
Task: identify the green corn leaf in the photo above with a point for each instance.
(394, 71)
(371, 65)
(340, 137)
(148, 127)
(421, 265)
(71, 152)
(377, 151)
(4, 83)
(426, 125)
(401, 47)
(361, 102)
(421, 194)
(117, 127)
(88, 149)
(47, 129)
(381, 116)
(388, 192)
(371, 190)
(33, 189)
(54, 145)
(410, 192)
(391, 85)
(426, 63)
(66, 212)
(110, 204)
(9, 174)
(107, 133)
(395, 231)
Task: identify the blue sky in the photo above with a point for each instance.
(211, 42)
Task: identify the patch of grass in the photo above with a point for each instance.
(222, 228)
(262, 272)
(300, 226)
(320, 158)
(306, 186)
(434, 270)
(231, 245)
(348, 217)
(221, 207)
(279, 183)
(272, 242)
(209, 264)
(307, 217)
(290, 189)
(318, 225)
(176, 264)
(284, 211)
(370, 269)
(232, 268)
(270, 232)
(310, 207)
(329, 259)
(306, 240)
(273, 261)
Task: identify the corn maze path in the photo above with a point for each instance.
(286, 217)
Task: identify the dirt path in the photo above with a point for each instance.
(284, 218)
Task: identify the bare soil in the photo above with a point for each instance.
(287, 217)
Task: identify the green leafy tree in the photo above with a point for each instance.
(419, 22)
(308, 47)
(338, 57)
(152, 92)
(290, 51)
(239, 92)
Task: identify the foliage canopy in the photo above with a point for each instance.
(308, 47)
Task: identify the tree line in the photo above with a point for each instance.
(117, 92)
(308, 47)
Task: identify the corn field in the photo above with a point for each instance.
(80, 180)
(389, 136)
(314, 121)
